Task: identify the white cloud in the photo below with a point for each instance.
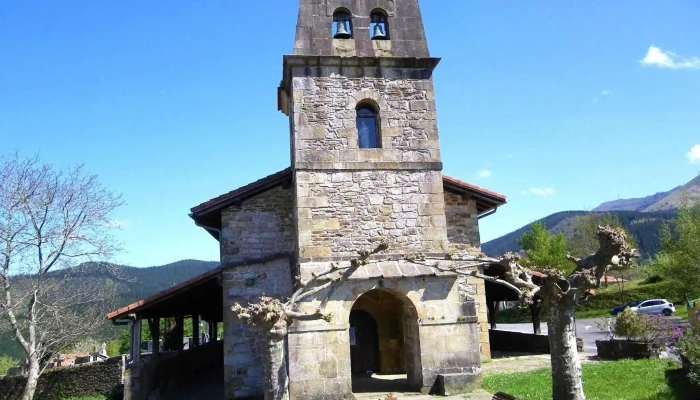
(546, 192)
(484, 173)
(666, 59)
(602, 94)
(694, 154)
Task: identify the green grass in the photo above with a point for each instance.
(619, 380)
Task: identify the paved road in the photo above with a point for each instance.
(585, 329)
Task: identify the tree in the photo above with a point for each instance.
(680, 261)
(544, 249)
(6, 363)
(561, 293)
(582, 240)
(50, 222)
(273, 317)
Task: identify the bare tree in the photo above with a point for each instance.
(51, 220)
(560, 293)
(274, 316)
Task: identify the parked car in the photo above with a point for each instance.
(656, 306)
(619, 309)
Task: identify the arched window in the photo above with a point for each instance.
(368, 135)
(379, 25)
(342, 24)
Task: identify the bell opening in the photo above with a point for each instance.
(378, 26)
(379, 31)
(342, 31)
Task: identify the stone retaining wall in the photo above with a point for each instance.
(94, 379)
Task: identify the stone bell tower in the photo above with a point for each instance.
(364, 140)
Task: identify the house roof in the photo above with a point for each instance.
(158, 302)
(208, 214)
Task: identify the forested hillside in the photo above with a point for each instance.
(130, 284)
(643, 226)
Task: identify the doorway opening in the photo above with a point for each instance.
(384, 343)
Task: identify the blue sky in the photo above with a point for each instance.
(548, 102)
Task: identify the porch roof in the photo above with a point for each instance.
(201, 295)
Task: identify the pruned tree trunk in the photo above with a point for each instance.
(566, 364)
(276, 380)
(32, 378)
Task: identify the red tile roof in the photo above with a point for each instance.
(472, 187)
(122, 312)
(250, 189)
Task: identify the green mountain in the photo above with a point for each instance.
(644, 226)
(670, 200)
(130, 284)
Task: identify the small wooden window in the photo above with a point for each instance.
(368, 135)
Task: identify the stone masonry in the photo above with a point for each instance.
(462, 223)
(243, 370)
(259, 227)
(338, 199)
(342, 212)
(325, 119)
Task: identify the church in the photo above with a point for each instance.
(365, 167)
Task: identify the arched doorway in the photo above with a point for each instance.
(364, 343)
(384, 343)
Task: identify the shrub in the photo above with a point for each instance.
(688, 346)
(632, 325)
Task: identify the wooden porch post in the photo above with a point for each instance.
(154, 324)
(213, 332)
(136, 340)
(195, 330)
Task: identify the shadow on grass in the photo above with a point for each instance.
(679, 388)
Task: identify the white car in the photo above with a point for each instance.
(656, 306)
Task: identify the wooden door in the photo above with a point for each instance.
(364, 343)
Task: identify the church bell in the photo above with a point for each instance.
(379, 33)
(342, 32)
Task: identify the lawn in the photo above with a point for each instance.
(618, 380)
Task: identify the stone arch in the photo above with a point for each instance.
(343, 16)
(367, 95)
(380, 17)
(397, 333)
(374, 98)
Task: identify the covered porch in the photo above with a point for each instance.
(164, 362)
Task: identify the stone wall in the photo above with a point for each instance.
(440, 335)
(184, 375)
(315, 37)
(340, 213)
(101, 378)
(261, 226)
(325, 127)
(476, 291)
(243, 370)
(462, 223)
